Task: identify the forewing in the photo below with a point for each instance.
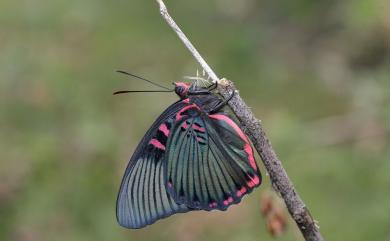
(142, 198)
(209, 162)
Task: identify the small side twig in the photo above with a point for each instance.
(253, 128)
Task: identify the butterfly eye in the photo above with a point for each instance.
(179, 89)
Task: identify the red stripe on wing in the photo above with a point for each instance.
(180, 115)
(164, 128)
(247, 148)
(198, 128)
(156, 143)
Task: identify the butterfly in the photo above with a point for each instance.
(193, 157)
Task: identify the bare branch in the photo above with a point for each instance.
(253, 128)
(187, 43)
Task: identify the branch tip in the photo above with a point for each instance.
(164, 13)
(163, 8)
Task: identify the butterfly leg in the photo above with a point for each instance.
(199, 92)
(204, 92)
(219, 106)
(213, 86)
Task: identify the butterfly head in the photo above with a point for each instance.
(181, 89)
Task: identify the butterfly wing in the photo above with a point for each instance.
(209, 161)
(142, 198)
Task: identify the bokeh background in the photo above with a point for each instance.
(316, 72)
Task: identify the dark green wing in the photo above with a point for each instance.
(142, 198)
(209, 162)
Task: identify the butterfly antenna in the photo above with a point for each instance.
(140, 91)
(141, 78)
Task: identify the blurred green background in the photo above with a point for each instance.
(316, 72)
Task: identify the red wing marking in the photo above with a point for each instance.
(213, 205)
(156, 143)
(247, 148)
(228, 201)
(198, 128)
(193, 126)
(179, 115)
(253, 182)
(241, 192)
(164, 128)
(185, 125)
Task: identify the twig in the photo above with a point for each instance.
(187, 43)
(253, 128)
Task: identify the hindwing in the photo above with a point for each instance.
(209, 162)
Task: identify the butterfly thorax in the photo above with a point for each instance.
(205, 102)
